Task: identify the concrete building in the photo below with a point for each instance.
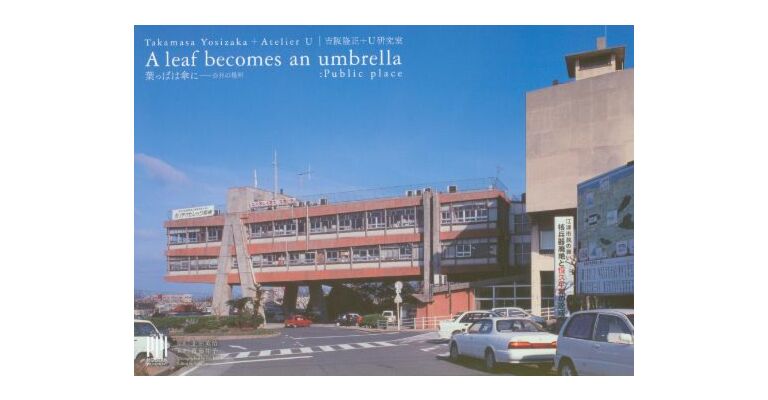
(458, 232)
(574, 131)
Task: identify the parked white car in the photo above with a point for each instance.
(142, 331)
(517, 312)
(389, 316)
(505, 341)
(448, 328)
(597, 342)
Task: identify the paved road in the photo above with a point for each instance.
(341, 351)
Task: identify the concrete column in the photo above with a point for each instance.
(426, 201)
(435, 235)
(535, 291)
(289, 298)
(317, 301)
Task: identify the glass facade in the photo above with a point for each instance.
(511, 295)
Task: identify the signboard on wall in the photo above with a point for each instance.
(605, 235)
(290, 201)
(193, 212)
(608, 276)
(564, 263)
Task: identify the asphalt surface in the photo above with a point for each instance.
(330, 350)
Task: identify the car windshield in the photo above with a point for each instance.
(518, 325)
(631, 318)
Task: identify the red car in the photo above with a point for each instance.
(296, 321)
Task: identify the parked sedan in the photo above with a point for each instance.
(505, 341)
(460, 323)
(349, 319)
(597, 342)
(519, 312)
(296, 321)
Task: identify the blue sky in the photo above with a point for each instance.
(458, 112)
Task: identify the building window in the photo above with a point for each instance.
(177, 236)
(396, 252)
(351, 222)
(213, 234)
(445, 215)
(521, 224)
(331, 256)
(301, 258)
(463, 250)
(260, 230)
(376, 219)
(522, 254)
(448, 250)
(192, 263)
(184, 236)
(265, 260)
(285, 228)
(464, 213)
(365, 254)
(546, 240)
(401, 218)
(418, 252)
(322, 224)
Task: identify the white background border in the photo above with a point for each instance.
(67, 165)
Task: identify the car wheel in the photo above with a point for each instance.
(566, 369)
(490, 360)
(455, 352)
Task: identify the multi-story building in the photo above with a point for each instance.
(458, 233)
(574, 131)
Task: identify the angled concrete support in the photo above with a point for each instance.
(222, 291)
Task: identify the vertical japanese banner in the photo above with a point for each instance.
(564, 262)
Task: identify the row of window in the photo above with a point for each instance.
(397, 252)
(476, 248)
(349, 222)
(463, 213)
(192, 263)
(455, 213)
(194, 235)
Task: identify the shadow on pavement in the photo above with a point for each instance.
(502, 369)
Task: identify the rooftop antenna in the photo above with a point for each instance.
(307, 173)
(274, 165)
(255, 179)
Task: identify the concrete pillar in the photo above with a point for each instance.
(434, 233)
(535, 291)
(317, 301)
(426, 201)
(289, 298)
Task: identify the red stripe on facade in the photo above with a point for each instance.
(303, 245)
(216, 220)
(330, 209)
(468, 196)
(469, 234)
(299, 276)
